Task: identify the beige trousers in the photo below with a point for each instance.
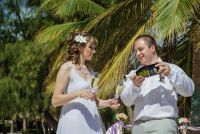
(160, 126)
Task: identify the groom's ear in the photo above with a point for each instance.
(153, 48)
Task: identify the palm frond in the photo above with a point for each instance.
(50, 4)
(184, 105)
(102, 16)
(195, 34)
(58, 31)
(115, 27)
(55, 63)
(173, 16)
(183, 54)
(114, 70)
(108, 24)
(110, 2)
(198, 45)
(68, 8)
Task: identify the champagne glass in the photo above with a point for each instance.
(119, 89)
(94, 82)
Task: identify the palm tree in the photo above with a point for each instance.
(116, 28)
(194, 34)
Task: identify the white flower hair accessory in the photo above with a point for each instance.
(80, 39)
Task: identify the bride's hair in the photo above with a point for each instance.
(76, 40)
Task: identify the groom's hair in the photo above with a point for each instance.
(147, 38)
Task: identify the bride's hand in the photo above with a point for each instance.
(114, 104)
(86, 94)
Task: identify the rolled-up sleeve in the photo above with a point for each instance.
(182, 83)
(130, 93)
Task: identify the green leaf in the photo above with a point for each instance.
(66, 8)
(172, 16)
(109, 77)
(57, 32)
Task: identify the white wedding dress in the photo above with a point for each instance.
(79, 116)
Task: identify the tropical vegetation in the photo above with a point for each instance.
(31, 53)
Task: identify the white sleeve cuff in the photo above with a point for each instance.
(172, 74)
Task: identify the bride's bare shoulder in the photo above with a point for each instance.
(66, 66)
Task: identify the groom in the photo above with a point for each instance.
(155, 100)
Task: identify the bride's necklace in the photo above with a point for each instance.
(83, 70)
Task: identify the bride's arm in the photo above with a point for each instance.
(112, 103)
(59, 97)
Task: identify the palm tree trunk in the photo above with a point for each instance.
(195, 75)
(3, 126)
(12, 126)
(24, 126)
(196, 68)
(43, 127)
(196, 79)
(196, 54)
(49, 120)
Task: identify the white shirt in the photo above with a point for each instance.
(155, 99)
